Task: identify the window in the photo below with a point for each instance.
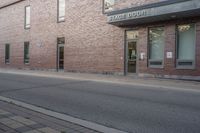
(26, 53)
(186, 46)
(61, 10)
(132, 35)
(27, 17)
(7, 53)
(61, 40)
(156, 47)
(108, 5)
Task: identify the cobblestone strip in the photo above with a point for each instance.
(15, 119)
(22, 125)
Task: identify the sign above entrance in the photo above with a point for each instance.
(129, 15)
(155, 12)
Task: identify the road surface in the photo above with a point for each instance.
(134, 109)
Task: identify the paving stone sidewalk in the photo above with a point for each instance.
(15, 119)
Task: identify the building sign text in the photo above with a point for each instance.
(128, 15)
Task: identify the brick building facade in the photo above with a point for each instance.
(94, 38)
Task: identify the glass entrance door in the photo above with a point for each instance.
(131, 56)
(61, 57)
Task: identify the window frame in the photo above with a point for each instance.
(58, 12)
(193, 66)
(7, 61)
(103, 7)
(148, 49)
(27, 26)
(26, 60)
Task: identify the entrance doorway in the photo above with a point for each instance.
(61, 57)
(60, 53)
(131, 52)
(131, 57)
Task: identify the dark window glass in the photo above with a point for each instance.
(7, 53)
(61, 40)
(26, 52)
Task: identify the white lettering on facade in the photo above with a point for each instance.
(129, 15)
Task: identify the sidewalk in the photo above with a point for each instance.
(15, 119)
(128, 80)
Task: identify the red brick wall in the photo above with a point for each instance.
(12, 32)
(91, 45)
(121, 4)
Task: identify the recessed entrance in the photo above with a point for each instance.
(131, 52)
(132, 57)
(60, 55)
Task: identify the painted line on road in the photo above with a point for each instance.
(64, 117)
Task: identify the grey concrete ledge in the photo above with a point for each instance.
(175, 77)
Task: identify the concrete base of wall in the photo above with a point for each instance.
(94, 72)
(177, 77)
(140, 75)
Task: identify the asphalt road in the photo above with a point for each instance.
(134, 109)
